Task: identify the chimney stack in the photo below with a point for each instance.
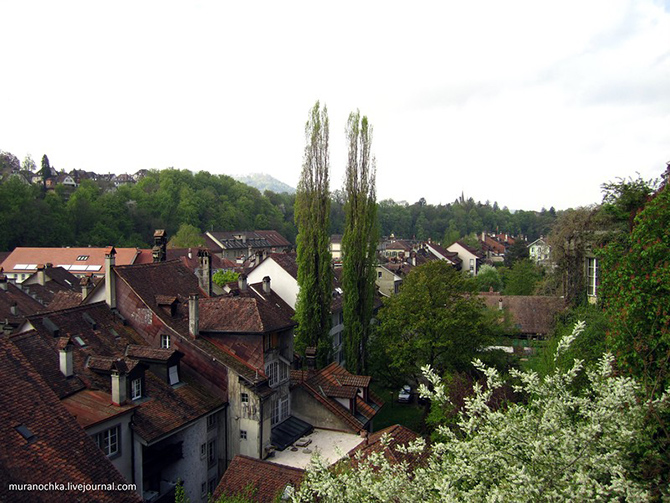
(193, 316)
(310, 356)
(3, 281)
(205, 263)
(242, 282)
(40, 274)
(159, 251)
(266, 285)
(85, 284)
(110, 279)
(65, 352)
(119, 387)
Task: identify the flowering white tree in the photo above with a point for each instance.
(560, 445)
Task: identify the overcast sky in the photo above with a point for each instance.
(531, 104)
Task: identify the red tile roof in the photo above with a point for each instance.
(329, 383)
(174, 279)
(260, 481)
(107, 344)
(251, 312)
(25, 305)
(59, 452)
(90, 407)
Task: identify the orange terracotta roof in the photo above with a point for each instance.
(22, 260)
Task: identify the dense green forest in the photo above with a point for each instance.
(98, 214)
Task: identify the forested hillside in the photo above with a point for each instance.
(99, 214)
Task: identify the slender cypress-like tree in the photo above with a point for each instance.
(359, 243)
(312, 213)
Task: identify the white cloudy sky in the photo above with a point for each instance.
(528, 103)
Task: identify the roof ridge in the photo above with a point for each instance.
(80, 307)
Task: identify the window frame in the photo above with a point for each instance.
(592, 276)
(105, 439)
(136, 389)
(165, 341)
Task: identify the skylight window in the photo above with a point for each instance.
(25, 432)
(80, 341)
(82, 258)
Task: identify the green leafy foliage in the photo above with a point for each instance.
(312, 212)
(221, 277)
(489, 278)
(560, 444)
(126, 216)
(635, 291)
(359, 244)
(188, 236)
(436, 318)
(522, 278)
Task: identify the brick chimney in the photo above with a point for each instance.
(193, 316)
(266, 285)
(110, 279)
(310, 356)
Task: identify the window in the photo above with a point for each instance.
(211, 421)
(82, 258)
(271, 372)
(243, 434)
(203, 489)
(280, 410)
(211, 453)
(379, 274)
(244, 397)
(592, 277)
(165, 341)
(108, 441)
(136, 389)
(173, 375)
(203, 451)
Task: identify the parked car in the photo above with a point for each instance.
(405, 394)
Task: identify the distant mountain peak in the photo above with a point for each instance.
(263, 181)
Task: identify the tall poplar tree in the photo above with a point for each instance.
(359, 243)
(312, 213)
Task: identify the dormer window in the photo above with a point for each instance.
(136, 389)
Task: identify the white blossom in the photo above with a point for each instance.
(560, 445)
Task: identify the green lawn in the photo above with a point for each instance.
(407, 414)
